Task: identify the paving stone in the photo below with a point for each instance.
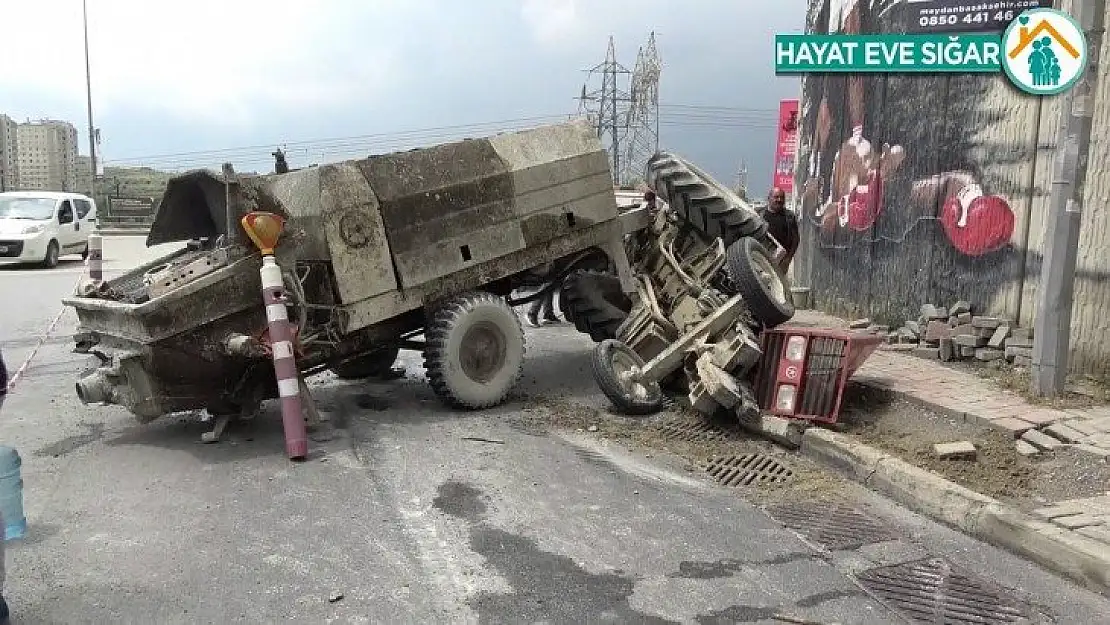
(937, 330)
(1064, 433)
(956, 450)
(1023, 334)
(878, 329)
(970, 340)
(1025, 449)
(914, 327)
(959, 308)
(859, 324)
(1100, 424)
(1094, 450)
(1082, 425)
(1041, 440)
(953, 321)
(1077, 521)
(986, 333)
(1013, 352)
(1014, 341)
(987, 354)
(947, 349)
(927, 352)
(932, 312)
(1100, 533)
(1041, 417)
(987, 322)
(964, 318)
(1015, 426)
(1023, 361)
(998, 337)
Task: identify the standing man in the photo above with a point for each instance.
(782, 224)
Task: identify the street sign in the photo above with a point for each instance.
(966, 16)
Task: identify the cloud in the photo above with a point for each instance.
(205, 60)
(552, 21)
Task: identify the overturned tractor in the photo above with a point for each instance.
(707, 286)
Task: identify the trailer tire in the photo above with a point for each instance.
(611, 361)
(705, 204)
(474, 351)
(367, 365)
(594, 302)
(751, 272)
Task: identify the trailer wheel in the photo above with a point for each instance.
(368, 365)
(474, 352)
(595, 303)
(754, 275)
(613, 362)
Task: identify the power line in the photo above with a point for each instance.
(359, 146)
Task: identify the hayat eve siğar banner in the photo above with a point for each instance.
(786, 146)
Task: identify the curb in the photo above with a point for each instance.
(1085, 561)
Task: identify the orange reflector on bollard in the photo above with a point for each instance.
(264, 229)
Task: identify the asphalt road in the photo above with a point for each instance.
(410, 513)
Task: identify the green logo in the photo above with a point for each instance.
(887, 53)
(1045, 51)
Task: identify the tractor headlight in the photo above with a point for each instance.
(784, 398)
(796, 348)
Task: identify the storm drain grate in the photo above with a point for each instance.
(831, 525)
(688, 431)
(932, 591)
(747, 470)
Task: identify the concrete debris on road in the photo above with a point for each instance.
(1025, 449)
(959, 450)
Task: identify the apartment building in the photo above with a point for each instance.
(47, 156)
(9, 154)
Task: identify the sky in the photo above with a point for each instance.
(181, 85)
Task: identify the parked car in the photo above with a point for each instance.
(42, 226)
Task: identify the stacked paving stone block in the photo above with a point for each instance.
(955, 333)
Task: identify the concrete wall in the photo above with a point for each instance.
(882, 238)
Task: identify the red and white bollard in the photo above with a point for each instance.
(285, 363)
(96, 257)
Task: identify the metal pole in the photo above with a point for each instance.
(1052, 325)
(88, 92)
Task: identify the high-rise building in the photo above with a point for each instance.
(9, 154)
(47, 156)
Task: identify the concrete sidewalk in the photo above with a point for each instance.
(1036, 429)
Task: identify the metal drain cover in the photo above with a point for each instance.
(747, 470)
(831, 525)
(689, 431)
(932, 591)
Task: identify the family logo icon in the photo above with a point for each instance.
(1045, 52)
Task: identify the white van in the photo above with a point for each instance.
(41, 226)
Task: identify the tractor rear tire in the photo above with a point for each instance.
(754, 275)
(708, 206)
(594, 302)
(474, 351)
(369, 365)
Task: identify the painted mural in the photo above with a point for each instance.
(905, 181)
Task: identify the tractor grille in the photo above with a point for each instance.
(822, 379)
